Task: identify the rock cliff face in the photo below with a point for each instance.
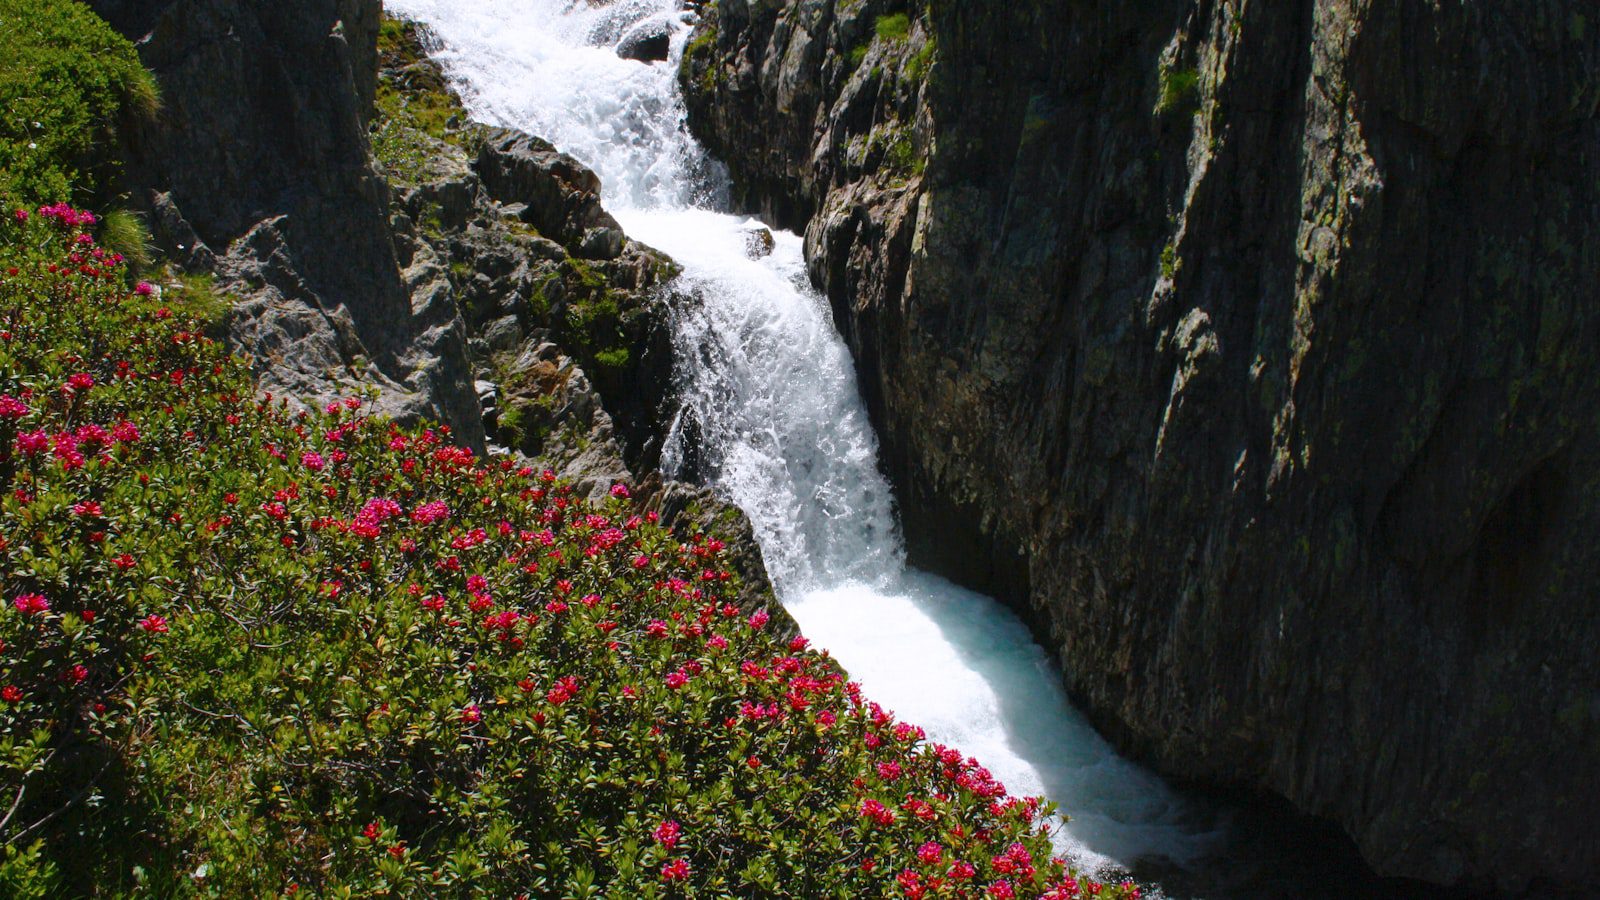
(1246, 346)
(257, 171)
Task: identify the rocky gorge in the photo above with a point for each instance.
(1251, 346)
(1244, 346)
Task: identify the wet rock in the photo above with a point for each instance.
(758, 242)
(602, 243)
(650, 42)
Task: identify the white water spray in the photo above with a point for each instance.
(773, 410)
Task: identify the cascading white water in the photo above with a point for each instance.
(777, 423)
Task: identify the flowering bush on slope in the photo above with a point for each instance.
(246, 651)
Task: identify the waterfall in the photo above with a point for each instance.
(771, 406)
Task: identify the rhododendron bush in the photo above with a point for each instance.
(248, 650)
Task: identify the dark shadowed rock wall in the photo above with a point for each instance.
(257, 170)
(1253, 348)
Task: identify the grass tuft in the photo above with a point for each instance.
(124, 232)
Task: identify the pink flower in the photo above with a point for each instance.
(125, 433)
(675, 870)
(620, 491)
(676, 680)
(759, 619)
(428, 513)
(877, 812)
(1001, 890)
(379, 509)
(80, 381)
(31, 604)
(92, 437)
(471, 715)
(369, 521)
(313, 461)
(565, 688)
(154, 624)
(930, 853)
(144, 289)
(87, 508)
(667, 833)
(905, 731)
(30, 443)
(11, 407)
(22, 215)
(889, 771)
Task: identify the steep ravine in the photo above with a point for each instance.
(1250, 343)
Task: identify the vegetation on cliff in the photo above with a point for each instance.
(247, 651)
(414, 106)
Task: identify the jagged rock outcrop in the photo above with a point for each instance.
(257, 171)
(1247, 345)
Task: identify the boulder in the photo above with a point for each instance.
(758, 242)
(560, 196)
(649, 42)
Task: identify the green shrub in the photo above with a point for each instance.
(917, 66)
(66, 81)
(1170, 262)
(895, 27)
(247, 651)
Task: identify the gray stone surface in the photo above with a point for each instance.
(257, 169)
(1254, 345)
